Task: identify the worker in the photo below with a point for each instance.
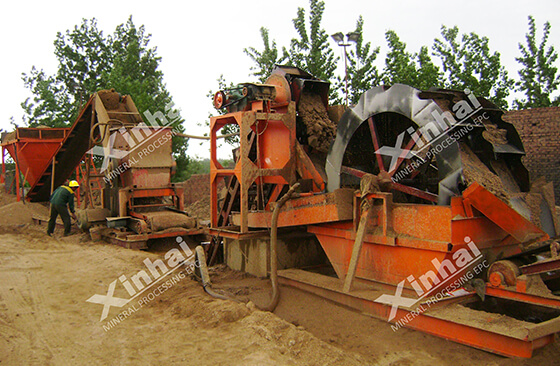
(61, 200)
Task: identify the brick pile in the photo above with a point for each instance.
(539, 129)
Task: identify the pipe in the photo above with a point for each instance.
(274, 250)
(102, 137)
(205, 137)
(17, 171)
(206, 284)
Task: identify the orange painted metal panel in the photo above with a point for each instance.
(380, 262)
(422, 234)
(456, 331)
(313, 209)
(34, 150)
(423, 221)
(503, 215)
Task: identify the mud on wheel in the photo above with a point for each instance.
(421, 143)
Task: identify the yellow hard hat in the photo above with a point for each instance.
(73, 184)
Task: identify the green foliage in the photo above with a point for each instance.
(463, 61)
(428, 74)
(312, 52)
(89, 61)
(469, 63)
(50, 105)
(82, 55)
(362, 73)
(538, 76)
(202, 166)
(399, 64)
(266, 59)
(402, 67)
(134, 69)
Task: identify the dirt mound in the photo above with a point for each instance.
(266, 339)
(200, 209)
(19, 213)
(5, 198)
(296, 343)
(503, 186)
(321, 131)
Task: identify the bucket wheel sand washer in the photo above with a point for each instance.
(429, 146)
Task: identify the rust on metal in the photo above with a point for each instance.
(438, 321)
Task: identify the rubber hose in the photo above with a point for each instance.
(274, 250)
(206, 284)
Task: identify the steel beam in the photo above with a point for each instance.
(470, 335)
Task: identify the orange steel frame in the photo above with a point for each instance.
(127, 195)
(411, 236)
(31, 154)
(454, 331)
(403, 239)
(279, 155)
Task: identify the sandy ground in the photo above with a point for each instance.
(46, 320)
(371, 338)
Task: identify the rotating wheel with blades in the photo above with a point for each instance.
(392, 132)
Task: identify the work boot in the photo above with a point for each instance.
(49, 234)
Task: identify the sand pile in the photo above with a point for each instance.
(5, 197)
(505, 188)
(200, 209)
(19, 213)
(474, 170)
(495, 135)
(321, 131)
(267, 339)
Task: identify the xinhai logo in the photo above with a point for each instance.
(428, 134)
(151, 277)
(432, 280)
(138, 136)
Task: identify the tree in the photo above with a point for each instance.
(51, 105)
(312, 52)
(362, 73)
(469, 64)
(135, 71)
(266, 59)
(416, 70)
(429, 75)
(82, 56)
(89, 61)
(135, 68)
(399, 64)
(538, 77)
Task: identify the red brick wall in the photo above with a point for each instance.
(539, 129)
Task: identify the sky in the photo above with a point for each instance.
(198, 43)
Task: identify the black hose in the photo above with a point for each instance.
(274, 250)
(206, 284)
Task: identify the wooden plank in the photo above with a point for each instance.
(356, 250)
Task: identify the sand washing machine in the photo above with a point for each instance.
(419, 200)
(124, 167)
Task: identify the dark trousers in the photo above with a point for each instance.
(61, 210)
